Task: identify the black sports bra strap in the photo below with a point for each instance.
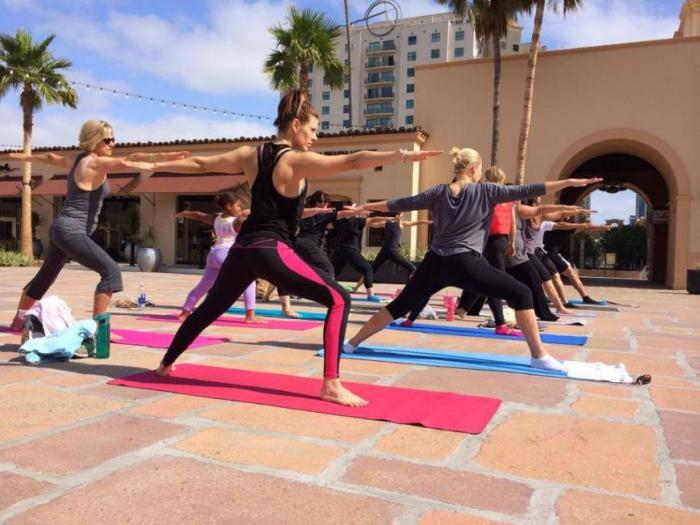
(278, 157)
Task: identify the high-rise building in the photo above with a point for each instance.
(640, 208)
(586, 202)
(382, 69)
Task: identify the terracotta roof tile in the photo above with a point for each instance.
(223, 140)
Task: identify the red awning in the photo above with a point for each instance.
(12, 186)
(186, 183)
(57, 184)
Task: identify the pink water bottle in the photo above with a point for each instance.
(450, 309)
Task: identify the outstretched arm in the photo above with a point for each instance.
(229, 162)
(415, 223)
(310, 164)
(51, 159)
(310, 212)
(528, 212)
(157, 156)
(206, 218)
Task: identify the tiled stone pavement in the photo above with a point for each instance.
(75, 450)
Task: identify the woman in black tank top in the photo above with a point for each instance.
(277, 173)
(69, 234)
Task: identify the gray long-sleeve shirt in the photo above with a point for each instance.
(461, 222)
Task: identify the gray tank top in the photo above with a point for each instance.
(81, 208)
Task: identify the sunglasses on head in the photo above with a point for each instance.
(109, 140)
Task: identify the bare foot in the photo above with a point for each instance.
(164, 371)
(17, 324)
(253, 319)
(183, 315)
(291, 313)
(460, 313)
(334, 392)
(565, 311)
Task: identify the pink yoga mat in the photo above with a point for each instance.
(237, 322)
(440, 410)
(158, 339)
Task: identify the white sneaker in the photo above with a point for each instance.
(348, 348)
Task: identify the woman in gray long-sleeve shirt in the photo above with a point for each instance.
(461, 213)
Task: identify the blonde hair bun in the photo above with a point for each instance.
(464, 158)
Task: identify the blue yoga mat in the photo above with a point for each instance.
(486, 333)
(580, 301)
(467, 360)
(271, 312)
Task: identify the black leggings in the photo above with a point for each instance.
(494, 253)
(468, 271)
(312, 255)
(277, 263)
(65, 245)
(390, 254)
(346, 255)
(527, 274)
(544, 273)
(546, 261)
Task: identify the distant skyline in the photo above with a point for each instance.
(618, 205)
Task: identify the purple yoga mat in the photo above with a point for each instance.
(158, 339)
(237, 322)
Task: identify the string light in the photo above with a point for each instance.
(174, 104)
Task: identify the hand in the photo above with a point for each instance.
(324, 210)
(577, 183)
(20, 156)
(415, 156)
(172, 155)
(510, 251)
(355, 207)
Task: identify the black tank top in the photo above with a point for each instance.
(350, 232)
(271, 215)
(392, 235)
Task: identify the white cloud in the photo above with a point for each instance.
(601, 22)
(222, 52)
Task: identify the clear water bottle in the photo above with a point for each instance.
(142, 300)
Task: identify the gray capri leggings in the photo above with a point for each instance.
(76, 245)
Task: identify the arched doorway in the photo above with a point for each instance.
(620, 171)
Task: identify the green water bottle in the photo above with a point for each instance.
(102, 336)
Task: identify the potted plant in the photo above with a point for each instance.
(131, 226)
(37, 246)
(693, 284)
(149, 257)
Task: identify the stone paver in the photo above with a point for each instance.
(576, 450)
(255, 449)
(169, 490)
(421, 443)
(28, 409)
(295, 422)
(578, 507)
(89, 445)
(74, 449)
(450, 486)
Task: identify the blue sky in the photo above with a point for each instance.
(210, 53)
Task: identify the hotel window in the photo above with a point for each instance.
(410, 72)
(388, 76)
(410, 88)
(411, 56)
(326, 110)
(346, 123)
(409, 103)
(374, 108)
(346, 108)
(409, 119)
(459, 52)
(459, 35)
(412, 40)
(346, 93)
(326, 95)
(385, 122)
(346, 78)
(434, 53)
(373, 46)
(372, 123)
(387, 91)
(435, 38)
(372, 78)
(516, 47)
(309, 83)
(325, 124)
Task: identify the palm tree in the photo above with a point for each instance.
(568, 5)
(490, 19)
(32, 70)
(310, 40)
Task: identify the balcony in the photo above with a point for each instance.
(379, 98)
(385, 63)
(384, 112)
(380, 82)
(387, 48)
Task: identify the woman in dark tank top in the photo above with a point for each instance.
(277, 173)
(69, 233)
